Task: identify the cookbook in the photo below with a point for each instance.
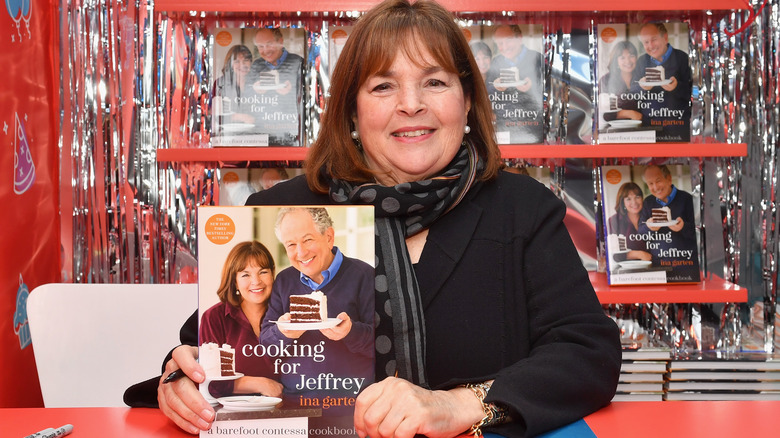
(285, 317)
(509, 57)
(644, 82)
(257, 96)
(650, 224)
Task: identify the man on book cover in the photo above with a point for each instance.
(275, 80)
(667, 105)
(345, 361)
(514, 83)
(674, 242)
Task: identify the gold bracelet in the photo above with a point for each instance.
(493, 413)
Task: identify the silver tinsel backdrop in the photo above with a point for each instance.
(138, 80)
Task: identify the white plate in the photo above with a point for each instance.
(661, 224)
(655, 83)
(249, 402)
(623, 123)
(236, 127)
(635, 264)
(329, 323)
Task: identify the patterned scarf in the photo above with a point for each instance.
(402, 211)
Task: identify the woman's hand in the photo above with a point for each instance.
(636, 254)
(180, 400)
(399, 409)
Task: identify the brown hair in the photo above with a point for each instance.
(235, 51)
(623, 192)
(386, 29)
(241, 256)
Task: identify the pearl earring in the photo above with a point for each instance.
(356, 136)
(467, 129)
(238, 293)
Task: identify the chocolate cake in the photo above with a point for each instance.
(312, 307)
(217, 361)
(654, 74)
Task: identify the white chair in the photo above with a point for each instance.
(92, 341)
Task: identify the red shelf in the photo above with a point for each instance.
(275, 153)
(453, 5)
(625, 150)
(713, 289)
(271, 153)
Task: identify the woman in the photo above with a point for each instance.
(244, 290)
(625, 221)
(483, 55)
(619, 80)
(231, 86)
(490, 324)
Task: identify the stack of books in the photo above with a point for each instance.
(741, 376)
(643, 374)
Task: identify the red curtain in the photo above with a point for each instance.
(29, 188)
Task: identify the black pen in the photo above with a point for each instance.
(176, 375)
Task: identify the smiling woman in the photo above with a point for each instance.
(485, 316)
(410, 120)
(245, 287)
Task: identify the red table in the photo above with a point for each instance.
(89, 422)
(754, 419)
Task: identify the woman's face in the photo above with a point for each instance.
(254, 283)
(633, 203)
(626, 61)
(241, 65)
(483, 62)
(411, 119)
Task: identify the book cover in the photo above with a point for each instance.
(640, 396)
(644, 83)
(286, 317)
(734, 362)
(644, 366)
(726, 375)
(510, 60)
(722, 386)
(631, 377)
(257, 97)
(646, 354)
(633, 387)
(723, 395)
(650, 223)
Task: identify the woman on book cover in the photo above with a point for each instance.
(625, 221)
(473, 314)
(619, 80)
(244, 290)
(231, 86)
(483, 55)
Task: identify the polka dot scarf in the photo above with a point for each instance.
(402, 211)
